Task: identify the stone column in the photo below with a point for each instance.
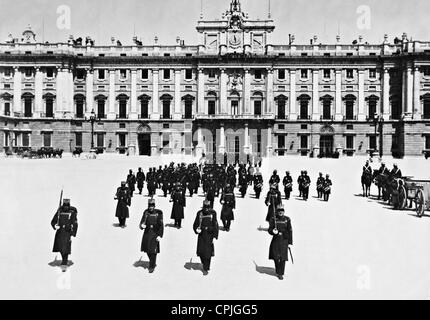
(17, 90)
(177, 114)
(155, 98)
(133, 95)
(409, 93)
(112, 101)
(201, 108)
(315, 95)
(270, 95)
(222, 139)
(269, 141)
(293, 98)
(60, 94)
(70, 93)
(223, 91)
(417, 92)
(89, 92)
(247, 92)
(386, 112)
(38, 92)
(246, 147)
(338, 95)
(361, 102)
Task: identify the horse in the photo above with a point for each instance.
(380, 181)
(366, 182)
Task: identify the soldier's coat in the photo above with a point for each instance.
(66, 218)
(273, 199)
(209, 230)
(228, 206)
(179, 203)
(154, 227)
(279, 245)
(124, 201)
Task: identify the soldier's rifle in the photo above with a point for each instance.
(59, 206)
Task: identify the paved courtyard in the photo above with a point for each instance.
(348, 248)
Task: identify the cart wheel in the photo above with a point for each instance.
(419, 203)
(402, 198)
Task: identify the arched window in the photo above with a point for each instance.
(426, 105)
(79, 105)
(327, 101)
(28, 104)
(281, 102)
(304, 106)
(144, 106)
(7, 98)
(349, 106)
(166, 101)
(122, 106)
(372, 102)
(211, 97)
(101, 106)
(234, 102)
(188, 106)
(258, 103)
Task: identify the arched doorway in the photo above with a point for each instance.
(326, 142)
(144, 140)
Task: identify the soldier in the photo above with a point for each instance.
(306, 181)
(228, 202)
(288, 184)
(367, 169)
(206, 227)
(124, 201)
(320, 184)
(396, 172)
(131, 181)
(151, 182)
(179, 202)
(243, 182)
(250, 175)
(282, 236)
(152, 222)
(273, 199)
(258, 183)
(299, 182)
(65, 221)
(210, 188)
(383, 169)
(327, 187)
(140, 179)
(274, 178)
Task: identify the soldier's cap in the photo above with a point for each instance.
(327, 175)
(123, 183)
(66, 201)
(280, 207)
(151, 203)
(321, 174)
(206, 203)
(305, 172)
(287, 172)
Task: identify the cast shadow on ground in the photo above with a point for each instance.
(57, 263)
(141, 264)
(116, 225)
(265, 270)
(415, 216)
(260, 228)
(170, 225)
(193, 266)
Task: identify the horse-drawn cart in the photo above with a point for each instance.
(417, 191)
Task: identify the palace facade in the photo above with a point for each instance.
(235, 94)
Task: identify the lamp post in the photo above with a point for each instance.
(92, 120)
(379, 120)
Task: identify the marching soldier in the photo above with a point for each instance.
(299, 183)
(258, 183)
(178, 199)
(243, 182)
(228, 202)
(140, 179)
(274, 178)
(151, 182)
(210, 189)
(206, 227)
(282, 236)
(327, 187)
(288, 185)
(320, 185)
(306, 181)
(124, 201)
(131, 181)
(65, 222)
(273, 199)
(152, 222)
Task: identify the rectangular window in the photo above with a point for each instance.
(426, 71)
(123, 74)
(257, 107)
(327, 73)
(50, 72)
(47, 139)
(211, 107)
(350, 142)
(100, 140)
(372, 142)
(372, 73)
(7, 72)
(28, 72)
(78, 139)
(258, 74)
(144, 114)
(121, 140)
(25, 139)
(188, 74)
(80, 74)
(281, 74)
(102, 74)
(212, 73)
(304, 142)
(166, 74)
(427, 142)
(145, 74)
(166, 140)
(7, 108)
(49, 108)
(350, 74)
(304, 73)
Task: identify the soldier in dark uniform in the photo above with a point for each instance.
(179, 202)
(243, 182)
(124, 201)
(140, 179)
(396, 172)
(151, 182)
(299, 183)
(282, 236)
(210, 189)
(320, 185)
(152, 222)
(228, 202)
(131, 181)
(206, 227)
(306, 181)
(327, 187)
(275, 178)
(288, 185)
(273, 199)
(258, 183)
(250, 175)
(65, 221)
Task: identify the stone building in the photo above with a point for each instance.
(234, 94)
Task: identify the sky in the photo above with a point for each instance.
(168, 19)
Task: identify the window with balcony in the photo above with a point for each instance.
(28, 107)
(304, 100)
(101, 108)
(49, 107)
(327, 74)
(123, 74)
(281, 74)
(372, 73)
(350, 74)
(166, 74)
(372, 103)
(281, 103)
(349, 107)
(101, 74)
(7, 108)
(326, 104)
(80, 74)
(166, 102)
(211, 107)
(122, 106)
(188, 74)
(304, 74)
(145, 74)
(144, 109)
(258, 74)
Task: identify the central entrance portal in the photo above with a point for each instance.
(144, 140)
(326, 146)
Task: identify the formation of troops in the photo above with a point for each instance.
(216, 181)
